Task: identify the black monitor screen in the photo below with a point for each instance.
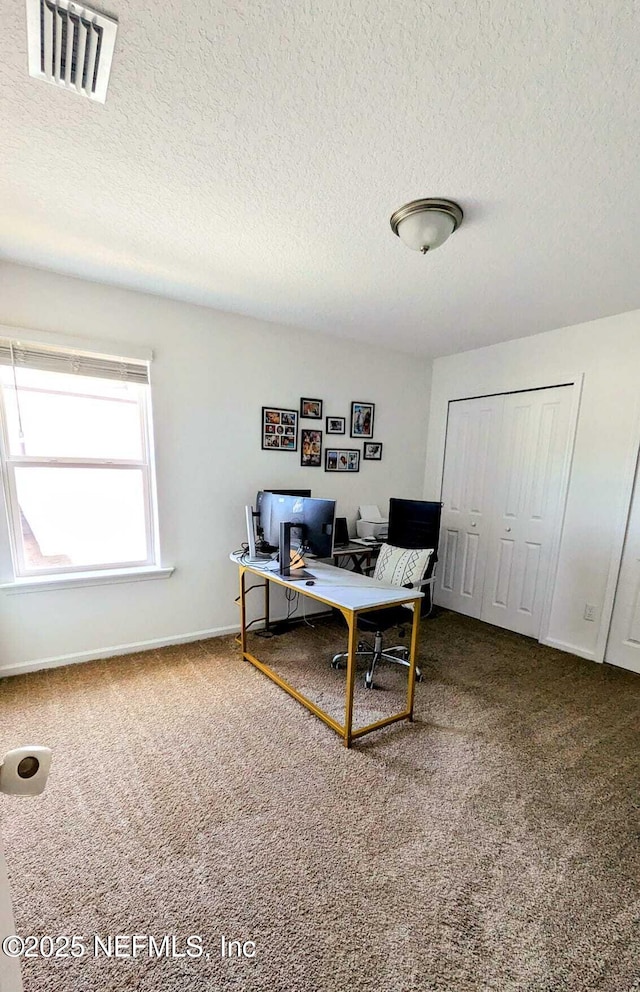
(414, 523)
(313, 521)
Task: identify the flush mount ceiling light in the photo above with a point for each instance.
(426, 224)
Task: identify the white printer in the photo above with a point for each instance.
(371, 523)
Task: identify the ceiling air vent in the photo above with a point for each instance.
(71, 46)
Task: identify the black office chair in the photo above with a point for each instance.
(405, 567)
(415, 523)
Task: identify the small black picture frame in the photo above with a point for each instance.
(310, 409)
(336, 425)
(279, 429)
(362, 419)
(372, 451)
(310, 448)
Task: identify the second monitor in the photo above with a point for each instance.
(310, 521)
(263, 544)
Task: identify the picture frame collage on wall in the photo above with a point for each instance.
(280, 433)
(279, 429)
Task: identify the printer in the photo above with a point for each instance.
(371, 523)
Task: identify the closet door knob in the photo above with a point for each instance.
(508, 530)
(473, 523)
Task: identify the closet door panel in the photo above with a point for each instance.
(528, 489)
(470, 458)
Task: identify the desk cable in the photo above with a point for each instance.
(291, 595)
(243, 554)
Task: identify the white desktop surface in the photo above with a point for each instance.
(340, 587)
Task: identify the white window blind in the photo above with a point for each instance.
(36, 356)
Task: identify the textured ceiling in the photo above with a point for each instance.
(249, 155)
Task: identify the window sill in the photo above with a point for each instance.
(70, 580)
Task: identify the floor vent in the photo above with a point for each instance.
(71, 46)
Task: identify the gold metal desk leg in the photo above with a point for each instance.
(243, 613)
(352, 621)
(415, 629)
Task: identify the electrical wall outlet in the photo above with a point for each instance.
(589, 611)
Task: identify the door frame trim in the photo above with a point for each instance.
(632, 477)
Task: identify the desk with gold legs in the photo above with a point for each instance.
(351, 594)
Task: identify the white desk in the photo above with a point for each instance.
(351, 594)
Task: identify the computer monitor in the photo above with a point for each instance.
(414, 523)
(297, 520)
(277, 508)
(319, 526)
(263, 543)
(281, 492)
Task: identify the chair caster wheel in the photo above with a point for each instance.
(361, 645)
(335, 664)
(368, 682)
(419, 676)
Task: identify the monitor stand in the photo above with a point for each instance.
(285, 571)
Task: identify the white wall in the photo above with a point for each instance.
(608, 353)
(211, 374)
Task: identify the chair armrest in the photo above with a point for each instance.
(429, 576)
(419, 585)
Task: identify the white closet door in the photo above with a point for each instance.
(623, 646)
(467, 497)
(527, 504)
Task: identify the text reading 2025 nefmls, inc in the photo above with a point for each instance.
(123, 945)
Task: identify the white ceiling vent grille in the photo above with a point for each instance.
(71, 46)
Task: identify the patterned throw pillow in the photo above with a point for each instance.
(400, 566)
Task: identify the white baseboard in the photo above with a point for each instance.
(199, 635)
(116, 649)
(551, 642)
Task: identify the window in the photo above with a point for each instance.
(76, 460)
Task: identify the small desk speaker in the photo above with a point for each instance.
(341, 536)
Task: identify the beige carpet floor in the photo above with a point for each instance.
(492, 845)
